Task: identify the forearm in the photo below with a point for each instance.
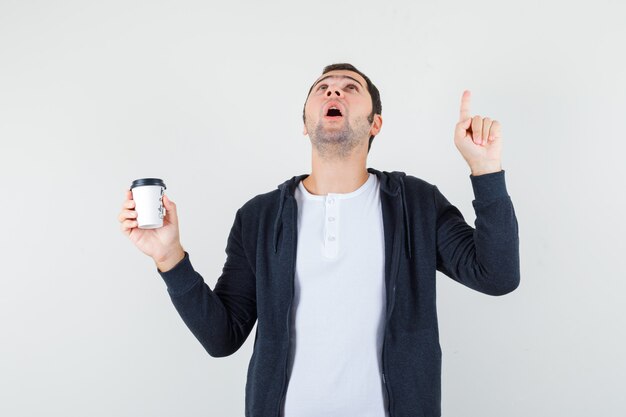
(215, 320)
(485, 258)
(497, 244)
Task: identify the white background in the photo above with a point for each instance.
(208, 97)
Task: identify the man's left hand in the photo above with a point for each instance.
(478, 139)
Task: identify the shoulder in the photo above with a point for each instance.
(261, 205)
(416, 181)
(419, 193)
(417, 184)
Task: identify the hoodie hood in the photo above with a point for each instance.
(391, 183)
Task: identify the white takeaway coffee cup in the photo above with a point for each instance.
(148, 196)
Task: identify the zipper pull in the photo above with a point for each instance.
(384, 382)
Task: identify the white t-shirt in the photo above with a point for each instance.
(338, 310)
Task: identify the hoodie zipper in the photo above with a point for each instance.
(293, 277)
(394, 275)
(385, 382)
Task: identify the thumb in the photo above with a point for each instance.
(169, 204)
(461, 128)
(170, 210)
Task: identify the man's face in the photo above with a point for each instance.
(337, 109)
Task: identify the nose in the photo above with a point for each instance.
(338, 92)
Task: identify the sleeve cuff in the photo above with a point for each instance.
(181, 277)
(489, 186)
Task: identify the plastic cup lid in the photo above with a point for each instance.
(148, 181)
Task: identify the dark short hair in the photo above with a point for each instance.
(377, 107)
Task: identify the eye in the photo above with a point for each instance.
(352, 86)
(322, 85)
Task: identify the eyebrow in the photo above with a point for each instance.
(336, 76)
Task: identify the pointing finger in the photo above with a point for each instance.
(465, 105)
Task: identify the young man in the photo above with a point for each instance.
(339, 266)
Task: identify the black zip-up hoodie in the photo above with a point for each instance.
(423, 233)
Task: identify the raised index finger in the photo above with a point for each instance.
(465, 105)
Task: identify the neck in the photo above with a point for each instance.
(337, 175)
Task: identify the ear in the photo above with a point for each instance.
(304, 131)
(377, 124)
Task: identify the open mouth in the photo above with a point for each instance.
(333, 113)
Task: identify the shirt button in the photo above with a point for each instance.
(330, 201)
(331, 219)
(331, 238)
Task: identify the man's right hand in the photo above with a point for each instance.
(161, 244)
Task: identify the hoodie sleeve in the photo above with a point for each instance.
(221, 319)
(485, 259)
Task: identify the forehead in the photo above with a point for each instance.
(342, 74)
